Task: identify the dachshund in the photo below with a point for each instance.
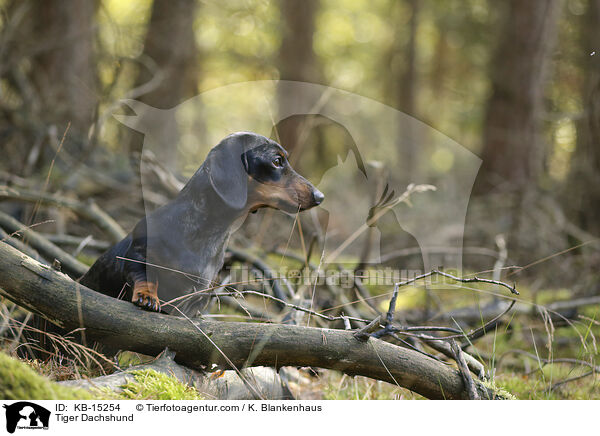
(181, 245)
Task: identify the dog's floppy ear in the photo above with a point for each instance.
(227, 172)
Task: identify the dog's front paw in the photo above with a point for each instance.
(145, 295)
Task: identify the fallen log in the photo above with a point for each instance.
(200, 343)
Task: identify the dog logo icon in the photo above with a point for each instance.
(26, 415)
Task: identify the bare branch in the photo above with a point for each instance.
(89, 210)
(47, 248)
(121, 324)
(464, 370)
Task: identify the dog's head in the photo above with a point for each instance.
(250, 171)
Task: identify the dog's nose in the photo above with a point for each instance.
(318, 196)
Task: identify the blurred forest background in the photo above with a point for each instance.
(515, 82)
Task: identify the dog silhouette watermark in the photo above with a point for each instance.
(366, 192)
(26, 415)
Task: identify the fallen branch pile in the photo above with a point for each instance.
(200, 343)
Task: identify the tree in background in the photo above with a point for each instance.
(49, 61)
(512, 153)
(403, 80)
(170, 52)
(63, 66)
(60, 61)
(296, 60)
(583, 184)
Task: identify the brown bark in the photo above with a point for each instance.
(120, 324)
(511, 148)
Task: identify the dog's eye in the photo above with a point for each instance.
(277, 162)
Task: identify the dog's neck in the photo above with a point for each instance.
(204, 217)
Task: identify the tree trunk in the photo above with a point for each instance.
(511, 152)
(403, 61)
(583, 190)
(169, 50)
(296, 61)
(64, 70)
(407, 57)
(47, 57)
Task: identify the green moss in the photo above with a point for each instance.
(153, 385)
(500, 391)
(19, 381)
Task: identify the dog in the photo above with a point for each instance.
(181, 245)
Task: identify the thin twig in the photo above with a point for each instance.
(568, 380)
(88, 210)
(363, 333)
(464, 370)
(47, 248)
(293, 306)
(38, 203)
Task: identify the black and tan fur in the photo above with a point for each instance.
(180, 247)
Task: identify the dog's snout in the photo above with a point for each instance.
(318, 196)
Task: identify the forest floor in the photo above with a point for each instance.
(515, 354)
